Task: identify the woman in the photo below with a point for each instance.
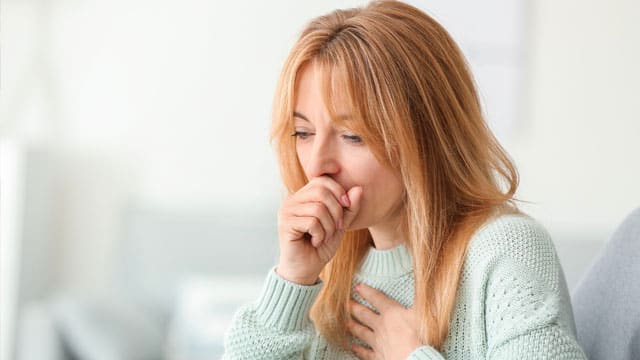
(396, 239)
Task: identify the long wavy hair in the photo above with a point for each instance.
(414, 102)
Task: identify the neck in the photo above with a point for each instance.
(386, 235)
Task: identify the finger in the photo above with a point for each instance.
(375, 297)
(320, 193)
(363, 314)
(319, 211)
(334, 241)
(355, 197)
(328, 248)
(336, 189)
(361, 332)
(311, 225)
(363, 353)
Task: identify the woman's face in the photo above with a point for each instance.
(323, 148)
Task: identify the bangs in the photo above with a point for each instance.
(337, 94)
(346, 105)
(346, 91)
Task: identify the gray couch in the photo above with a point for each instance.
(606, 303)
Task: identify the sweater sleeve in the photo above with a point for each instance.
(525, 318)
(276, 326)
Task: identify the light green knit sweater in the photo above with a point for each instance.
(512, 303)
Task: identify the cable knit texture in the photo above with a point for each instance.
(512, 303)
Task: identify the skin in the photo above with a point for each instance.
(341, 155)
(348, 189)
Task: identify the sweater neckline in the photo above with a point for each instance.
(391, 262)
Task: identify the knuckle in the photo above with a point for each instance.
(317, 209)
(326, 194)
(332, 227)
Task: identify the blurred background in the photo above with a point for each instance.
(138, 189)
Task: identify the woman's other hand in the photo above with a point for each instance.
(392, 334)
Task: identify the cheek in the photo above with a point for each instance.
(381, 187)
(386, 189)
(303, 157)
(300, 152)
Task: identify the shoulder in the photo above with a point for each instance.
(514, 243)
(515, 235)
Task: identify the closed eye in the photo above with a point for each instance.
(301, 134)
(353, 138)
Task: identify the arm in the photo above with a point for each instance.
(527, 315)
(521, 334)
(276, 326)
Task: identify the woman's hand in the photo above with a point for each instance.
(392, 334)
(310, 227)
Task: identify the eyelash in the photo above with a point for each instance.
(351, 138)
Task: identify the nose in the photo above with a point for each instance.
(323, 158)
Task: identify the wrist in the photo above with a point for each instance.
(300, 280)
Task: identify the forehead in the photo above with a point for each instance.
(319, 90)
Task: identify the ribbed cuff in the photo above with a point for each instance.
(425, 353)
(285, 305)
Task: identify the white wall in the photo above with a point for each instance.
(167, 104)
(579, 151)
(11, 186)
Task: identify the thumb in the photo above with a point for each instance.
(355, 197)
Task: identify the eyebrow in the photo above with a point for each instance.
(297, 114)
(301, 116)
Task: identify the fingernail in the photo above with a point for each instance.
(345, 200)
